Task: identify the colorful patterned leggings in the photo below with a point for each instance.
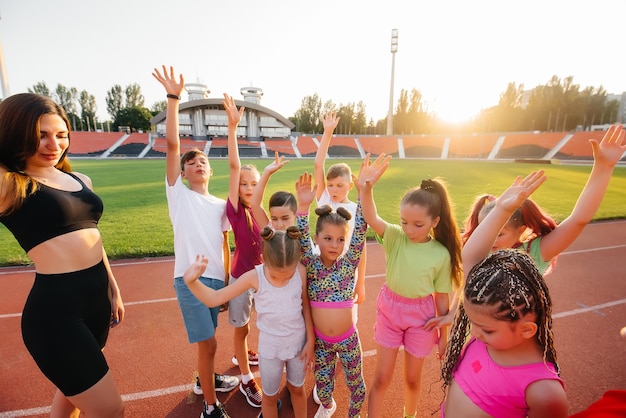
(348, 348)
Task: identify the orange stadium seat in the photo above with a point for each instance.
(472, 146)
(578, 147)
(93, 143)
(529, 145)
(423, 146)
(377, 145)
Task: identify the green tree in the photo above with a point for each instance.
(40, 88)
(87, 104)
(138, 118)
(360, 118)
(307, 118)
(66, 97)
(114, 101)
(158, 107)
(134, 98)
(346, 123)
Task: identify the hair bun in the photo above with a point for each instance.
(267, 233)
(344, 213)
(293, 232)
(428, 185)
(323, 210)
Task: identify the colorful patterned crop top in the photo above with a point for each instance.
(50, 212)
(335, 283)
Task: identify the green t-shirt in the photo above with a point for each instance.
(415, 270)
(533, 249)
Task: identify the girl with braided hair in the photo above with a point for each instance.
(509, 366)
(283, 315)
(423, 266)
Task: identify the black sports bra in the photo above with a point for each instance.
(51, 212)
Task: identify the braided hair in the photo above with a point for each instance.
(509, 282)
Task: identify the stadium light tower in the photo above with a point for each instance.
(394, 49)
(4, 82)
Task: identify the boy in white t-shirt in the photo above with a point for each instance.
(200, 227)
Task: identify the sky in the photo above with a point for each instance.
(460, 54)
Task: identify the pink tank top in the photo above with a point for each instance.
(498, 390)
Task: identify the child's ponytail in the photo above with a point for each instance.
(433, 195)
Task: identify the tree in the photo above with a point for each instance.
(134, 98)
(66, 98)
(137, 118)
(158, 107)
(114, 101)
(346, 123)
(307, 118)
(40, 88)
(87, 104)
(360, 119)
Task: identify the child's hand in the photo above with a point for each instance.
(611, 148)
(305, 191)
(234, 115)
(371, 172)
(359, 293)
(169, 81)
(514, 196)
(439, 321)
(307, 355)
(277, 164)
(330, 121)
(195, 270)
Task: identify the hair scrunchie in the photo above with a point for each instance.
(428, 185)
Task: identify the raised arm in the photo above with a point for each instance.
(329, 121)
(234, 117)
(256, 201)
(368, 176)
(606, 154)
(481, 241)
(174, 90)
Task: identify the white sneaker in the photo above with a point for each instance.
(326, 413)
(316, 398)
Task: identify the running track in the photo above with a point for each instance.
(154, 365)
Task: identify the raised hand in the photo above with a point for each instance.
(611, 148)
(195, 270)
(514, 196)
(329, 120)
(370, 172)
(234, 114)
(277, 164)
(168, 80)
(305, 191)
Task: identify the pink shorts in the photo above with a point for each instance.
(400, 322)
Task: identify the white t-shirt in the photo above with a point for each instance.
(199, 223)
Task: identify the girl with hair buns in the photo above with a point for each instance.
(283, 315)
(330, 283)
(423, 265)
(508, 368)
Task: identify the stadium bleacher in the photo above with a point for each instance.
(507, 146)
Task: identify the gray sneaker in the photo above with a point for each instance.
(223, 383)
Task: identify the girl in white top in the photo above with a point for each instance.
(286, 335)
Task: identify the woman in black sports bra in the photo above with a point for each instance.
(54, 214)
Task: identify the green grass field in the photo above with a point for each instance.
(136, 223)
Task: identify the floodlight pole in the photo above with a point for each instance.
(4, 82)
(394, 49)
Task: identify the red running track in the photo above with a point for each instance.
(154, 365)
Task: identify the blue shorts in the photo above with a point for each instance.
(200, 320)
